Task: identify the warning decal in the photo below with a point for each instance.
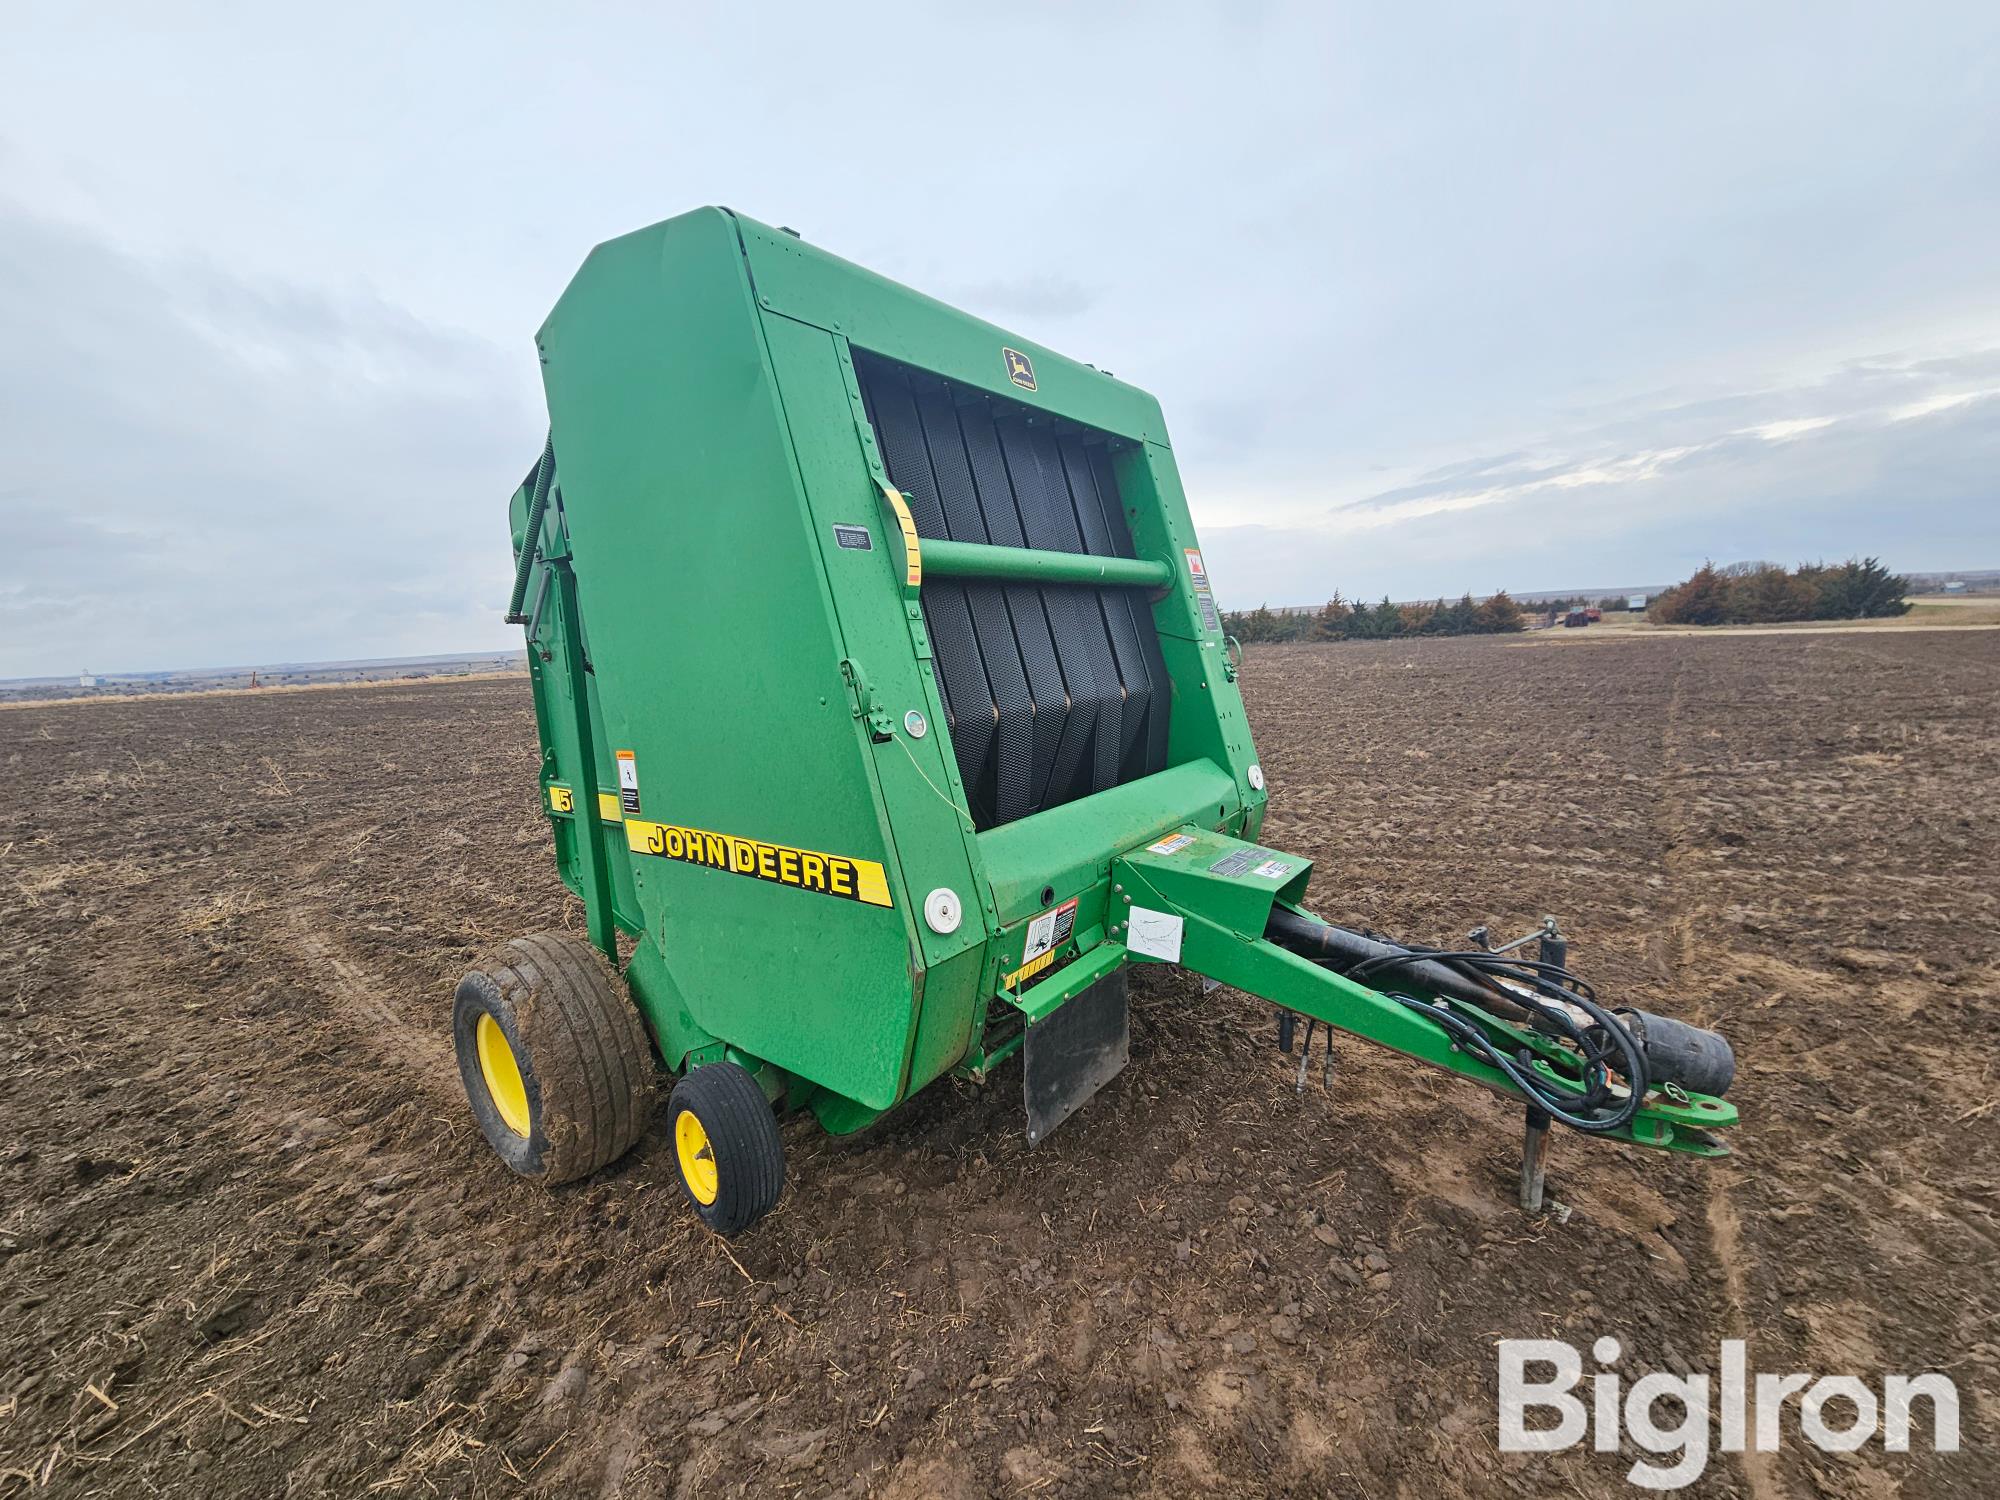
(1204, 596)
(628, 783)
(1046, 933)
(1027, 970)
(806, 869)
(1050, 930)
(1172, 844)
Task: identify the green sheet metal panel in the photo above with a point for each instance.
(882, 632)
(717, 657)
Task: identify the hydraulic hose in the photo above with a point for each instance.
(531, 538)
(1342, 950)
(1547, 996)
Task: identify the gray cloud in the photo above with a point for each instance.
(210, 470)
(1919, 478)
(1534, 298)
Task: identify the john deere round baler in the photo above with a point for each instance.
(886, 719)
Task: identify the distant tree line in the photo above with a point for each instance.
(1762, 593)
(1340, 620)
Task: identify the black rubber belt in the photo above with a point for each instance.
(1052, 691)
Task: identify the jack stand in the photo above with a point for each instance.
(1534, 1159)
(1554, 947)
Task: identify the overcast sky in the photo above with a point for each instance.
(1435, 299)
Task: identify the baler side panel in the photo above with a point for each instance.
(556, 728)
(886, 635)
(717, 662)
(1209, 722)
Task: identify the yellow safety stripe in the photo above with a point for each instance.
(913, 558)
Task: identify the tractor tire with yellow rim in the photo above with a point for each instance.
(554, 1058)
(726, 1144)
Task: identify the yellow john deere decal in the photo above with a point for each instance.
(561, 799)
(808, 869)
(1020, 369)
(913, 558)
(608, 808)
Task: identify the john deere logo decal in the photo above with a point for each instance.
(1020, 368)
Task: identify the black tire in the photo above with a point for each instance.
(585, 1066)
(741, 1143)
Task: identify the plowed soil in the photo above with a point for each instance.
(251, 1243)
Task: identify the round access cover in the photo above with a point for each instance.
(941, 910)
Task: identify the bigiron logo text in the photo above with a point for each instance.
(1670, 1415)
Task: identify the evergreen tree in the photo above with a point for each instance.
(1334, 620)
(1863, 590)
(1499, 615)
(1771, 594)
(1764, 593)
(1702, 600)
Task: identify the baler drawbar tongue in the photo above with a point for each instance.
(1525, 1028)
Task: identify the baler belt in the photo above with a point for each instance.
(1052, 691)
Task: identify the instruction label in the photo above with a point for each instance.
(853, 538)
(1172, 845)
(1204, 596)
(628, 783)
(803, 869)
(1156, 934)
(1253, 861)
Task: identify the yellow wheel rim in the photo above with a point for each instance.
(697, 1157)
(502, 1074)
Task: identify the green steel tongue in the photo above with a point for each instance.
(1211, 904)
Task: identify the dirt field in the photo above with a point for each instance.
(252, 1245)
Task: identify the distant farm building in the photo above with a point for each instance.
(1636, 602)
(86, 680)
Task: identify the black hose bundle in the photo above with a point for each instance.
(1594, 1106)
(1549, 995)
